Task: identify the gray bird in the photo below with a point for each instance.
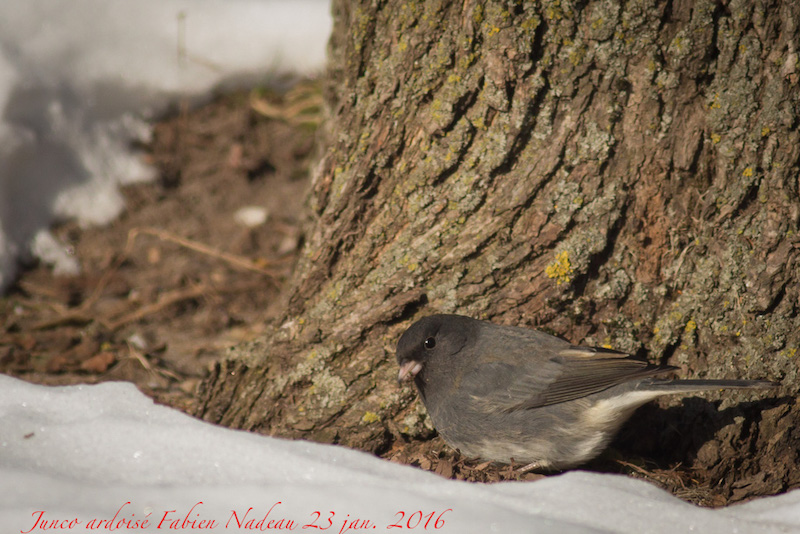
(501, 392)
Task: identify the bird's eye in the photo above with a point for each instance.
(430, 343)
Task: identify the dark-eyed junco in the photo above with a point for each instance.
(501, 392)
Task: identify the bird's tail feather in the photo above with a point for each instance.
(678, 386)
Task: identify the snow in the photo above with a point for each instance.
(80, 78)
(90, 453)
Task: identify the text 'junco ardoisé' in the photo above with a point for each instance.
(502, 392)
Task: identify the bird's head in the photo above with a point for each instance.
(431, 339)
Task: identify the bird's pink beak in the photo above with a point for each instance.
(409, 368)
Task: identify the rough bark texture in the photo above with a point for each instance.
(623, 175)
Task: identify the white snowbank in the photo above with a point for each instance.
(92, 453)
(78, 78)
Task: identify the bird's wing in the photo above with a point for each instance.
(570, 372)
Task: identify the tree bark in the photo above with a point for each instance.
(619, 174)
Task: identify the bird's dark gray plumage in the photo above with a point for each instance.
(502, 392)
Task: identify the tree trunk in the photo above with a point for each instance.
(623, 175)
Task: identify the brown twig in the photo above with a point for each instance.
(234, 259)
(173, 297)
(164, 301)
(295, 113)
(635, 467)
(76, 317)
